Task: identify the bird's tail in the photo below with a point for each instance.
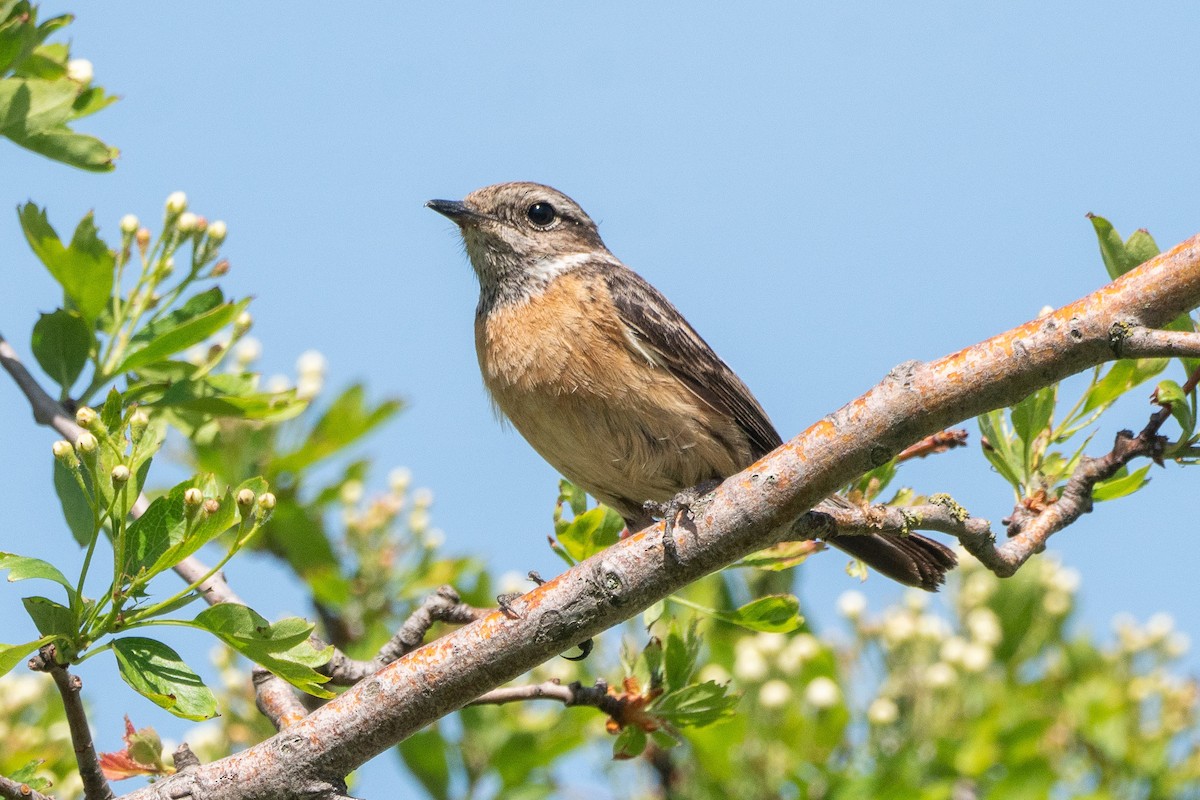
(912, 560)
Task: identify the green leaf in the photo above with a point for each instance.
(1120, 257)
(1168, 391)
(424, 754)
(156, 672)
(74, 149)
(84, 269)
(76, 505)
(630, 743)
(1120, 485)
(27, 775)
(182, 336)
(680, 654)
(111, 411)
(1031, 417)
(31, 106)
(591, 532)
(22, 568)
(776, 558)
(777, 613)
(196, 305)
(13, 654)
(282, 647)
(347, 419)
(1120, 378)
(699, 705)
(225, 396)
(163, 536)
(62, 341)
(51, 618)
(997, 447)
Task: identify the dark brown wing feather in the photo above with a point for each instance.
(913, 560)
(663, 331)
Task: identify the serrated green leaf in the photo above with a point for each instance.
(50, 618)
(182, 336)
(62, 341)
(84, 269)
(282, 647)
(698, 705)
(1120, 485)
(777, 613)
(680, 655)
(196, 305)
(591, 532)
(27, 775)
(156, 672)
(348, 419)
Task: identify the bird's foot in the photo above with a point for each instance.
(504, 602)
(678, 510)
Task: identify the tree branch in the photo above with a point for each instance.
(95, 786)
(1141, 342)
(444, 605)
(749, 511)
(11, 790)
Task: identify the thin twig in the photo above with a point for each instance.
(11, 790)
(573, 694)
(1138, 342)
(444, 605)
(935, 443)
(95, 787)
(276, 699)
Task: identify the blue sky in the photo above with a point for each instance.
(824, 190)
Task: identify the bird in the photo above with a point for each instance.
(607, 381)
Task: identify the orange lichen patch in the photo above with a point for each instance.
(633, 702)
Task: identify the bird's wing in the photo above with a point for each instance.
(659, 333)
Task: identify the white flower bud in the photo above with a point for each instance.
(422, 498)
(351, 492)
(852, 604)
(243, 323)
(129, 224)
(952, 650)
(247, 351)
(513, 582)
(775, 693)
(769, 643)
(85, 417)
(86, 443)
(120, 474)
(176, 203)
(434, 538)
(748, 663)
(267, 501)
(883, 711)
(186, 223)
(193, 497)
(80, 70)
(1160, 626)
(311, 363)
(399, 479)
(976, 657)
(217, 231)
(939, 675)
(245, 497)
(984, 626)
(1056, 603)
(62, 448)
(822, 693)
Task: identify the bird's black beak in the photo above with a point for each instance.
(456, 210)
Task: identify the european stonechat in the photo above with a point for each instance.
(606, 379)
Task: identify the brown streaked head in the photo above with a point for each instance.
(520, 235)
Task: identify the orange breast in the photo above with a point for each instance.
(560, 367)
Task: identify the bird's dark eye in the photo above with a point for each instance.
(541, 214)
